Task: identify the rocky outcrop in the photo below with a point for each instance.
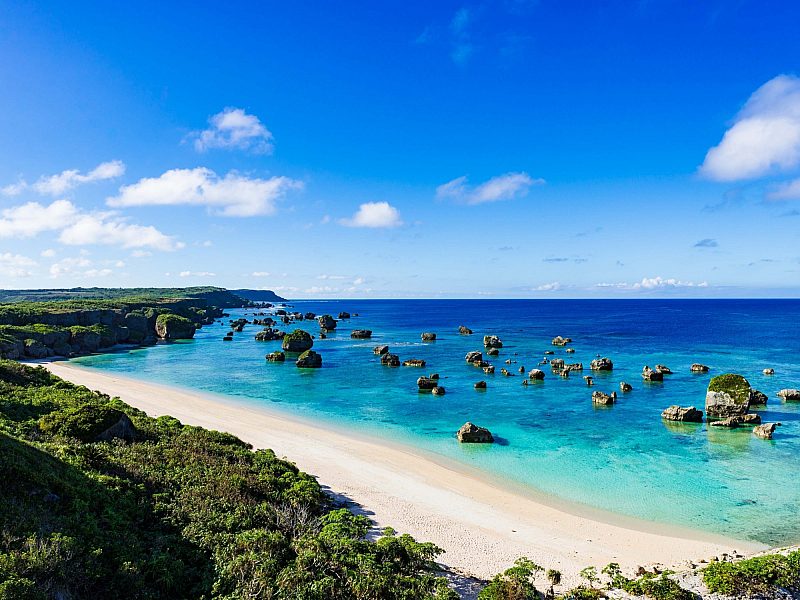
(310, 316)
(361, 334)
(438, 391)
(276, 357)
(463, 330)
(426, 384)
(493, 352)
(488, 370)
(688, 414)
(560, 341)
(174, 327)
(414, 362)
(480, 385)
(699, 368)
(603, 399)
(602, 364)
(122, 429)
(758, 398)
(428, 336)
(624, 386)
(343, 315)
(270, 335)
(380, 350)
(663, 369)
(536, 374)
(557, 364)
(297, 341)
(390, 360)
(728, 395)
(768, 371)
(472, 434)
(327, 322)
(492, 341)
(649, 374)
(790, 394)
(474, 358)
(765, 431)
(737, 420)
(309, 360)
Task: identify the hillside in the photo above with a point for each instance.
(101, 501)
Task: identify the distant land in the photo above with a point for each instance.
(99, 293)
(259, 295)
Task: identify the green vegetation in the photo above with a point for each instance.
(208, 293)
(757, 575)
(734, 385)
(651, 585)
(516, 583)
(177, 512)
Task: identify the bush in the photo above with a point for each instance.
(757, 575)
(516, 583)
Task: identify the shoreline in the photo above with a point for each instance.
(483, 523)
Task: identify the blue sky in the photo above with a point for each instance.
(503, 149)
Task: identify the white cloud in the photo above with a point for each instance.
(316, 289)
(32, 218)
(285, 288)
(14, 189)
(326, 276)
(230, 196)
(78, 228)
(765, 136)
(259, 274)
(55, 185)
(502, 187)
(197, 274)
(549, 287)
(233, 128)
(359, 281)
(70, 266)
(786, 191)
(15, 265)
(98, 229)
(141, 253)
(374, 215)
(49, 253)
(654, 283)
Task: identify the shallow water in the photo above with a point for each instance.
(623, 458)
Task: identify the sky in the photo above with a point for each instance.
(507, 149)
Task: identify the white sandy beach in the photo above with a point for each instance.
(483, 527)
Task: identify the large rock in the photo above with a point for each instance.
(492, 341)
(297, 341)
(603, 399)
(480, 385)
(664, 369)
(765, 431)
(624, 386)
(560, 341)
(602, 364)
(789, 394)
(269, 335)
(699, 368)
(728, 395)
(426, 384)
(344, 315)
(472, 434)
(327, 322)
(474, 357)
(677, 413)
(758, 398)
(309, 360)
(122, 429)
(438, 391)
(649, 374)
(276, 357)
(428, 336)
(536, 374)
(390, 360)
(463, 330)
(174, 327)
(380, 350)
(414, 362)
(361, 334)
(36, 349)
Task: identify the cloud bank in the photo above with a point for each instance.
(501, 187)
(234, 129)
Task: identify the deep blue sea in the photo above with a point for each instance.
(623, 458)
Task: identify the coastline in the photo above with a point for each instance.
(482, 526)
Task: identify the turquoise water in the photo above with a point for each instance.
(623, 459)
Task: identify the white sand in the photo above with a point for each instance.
(482, 526)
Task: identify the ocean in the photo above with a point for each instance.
(550, 438)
